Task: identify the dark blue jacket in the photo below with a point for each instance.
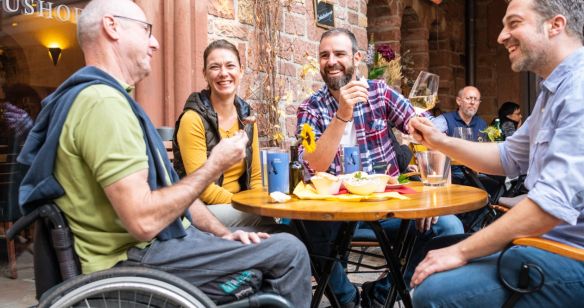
(454, 120)
(40, 149)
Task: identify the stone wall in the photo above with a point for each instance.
(299, 37)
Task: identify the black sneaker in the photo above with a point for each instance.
(367, 298)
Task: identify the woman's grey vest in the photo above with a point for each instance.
(201, 104)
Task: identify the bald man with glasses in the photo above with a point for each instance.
(468, 101)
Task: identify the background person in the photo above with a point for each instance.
(468, 101)
(510, 117)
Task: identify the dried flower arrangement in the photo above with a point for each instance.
(267, 85)
(383, 63)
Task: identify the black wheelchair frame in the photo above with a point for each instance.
(59, 282)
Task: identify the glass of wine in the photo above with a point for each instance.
(424, 93)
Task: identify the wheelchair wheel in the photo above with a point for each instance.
(125, 287)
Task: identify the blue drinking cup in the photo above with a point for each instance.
(278, 172)
(351, 159)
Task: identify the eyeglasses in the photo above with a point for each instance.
(469, 99)
(148, 26)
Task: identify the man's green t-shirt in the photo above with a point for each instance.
(101, 143)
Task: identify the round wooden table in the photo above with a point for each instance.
(426, 202)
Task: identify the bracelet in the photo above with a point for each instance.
(343, 120)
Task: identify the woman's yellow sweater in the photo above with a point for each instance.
(193, 149)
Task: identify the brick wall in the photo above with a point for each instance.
(430, 36)
(434, 36)
(495, 79)
(299, 36)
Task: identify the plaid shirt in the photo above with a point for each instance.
(371, 125)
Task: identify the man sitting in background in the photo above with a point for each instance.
(468, 101)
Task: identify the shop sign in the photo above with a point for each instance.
(41, 8)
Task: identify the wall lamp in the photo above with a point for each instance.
(55, 54)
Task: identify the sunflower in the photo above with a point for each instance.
(308, 139)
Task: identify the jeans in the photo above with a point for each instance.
(477, 285)
(323, 234)
(446, 225)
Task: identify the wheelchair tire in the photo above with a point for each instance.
(125, 287)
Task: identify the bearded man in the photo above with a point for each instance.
(546, 38)
(348, 111)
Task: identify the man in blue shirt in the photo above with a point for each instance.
(544, 37)
(468, 101)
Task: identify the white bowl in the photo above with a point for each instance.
(360, 187)
(380, 181)
(326, 184)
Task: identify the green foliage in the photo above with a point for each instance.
(376, 72)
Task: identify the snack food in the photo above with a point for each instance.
(326, 184)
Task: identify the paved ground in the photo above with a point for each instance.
(17, 293)
(20, 293)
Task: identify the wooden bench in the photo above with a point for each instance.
(167, 133)
(168, 147)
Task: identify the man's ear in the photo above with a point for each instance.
(111, 27)
(358, 56)
(556, 25)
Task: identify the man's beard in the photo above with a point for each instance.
(531, 57)
(530, 60)
(336, 83)
(469, 113)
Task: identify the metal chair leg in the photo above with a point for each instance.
(523, 284)
(11, 251)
